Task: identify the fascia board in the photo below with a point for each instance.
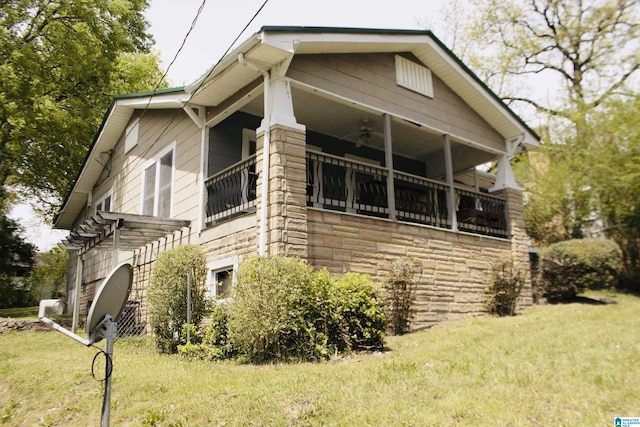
(225, 62)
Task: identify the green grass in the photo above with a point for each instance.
(20, 313)
(574, 364)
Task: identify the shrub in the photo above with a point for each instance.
(401, 294)
(215, 343)
(504, 285)
(283, 310)
(278, 311)
(570, 267)
(360, 313)
(167, 294)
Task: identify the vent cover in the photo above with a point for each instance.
(414, 76)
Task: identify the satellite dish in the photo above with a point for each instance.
(105, 310)
(110, 299)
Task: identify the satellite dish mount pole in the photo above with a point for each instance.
(108, 330)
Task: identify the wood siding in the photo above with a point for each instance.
(369, 79)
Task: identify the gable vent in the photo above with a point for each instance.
(414, 76)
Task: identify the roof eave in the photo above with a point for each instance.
(113, 124)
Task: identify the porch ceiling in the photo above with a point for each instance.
(344, 121)
(134, 231)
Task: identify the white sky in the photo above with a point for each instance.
(219, 24)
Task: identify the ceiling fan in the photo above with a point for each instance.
(364, 134)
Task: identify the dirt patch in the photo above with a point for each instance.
(9, 324)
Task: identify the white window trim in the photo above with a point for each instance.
(131, 136)
(214, 267)
(103, 198)
(155, 161)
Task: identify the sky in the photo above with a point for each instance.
(222, 21)
(219, 23)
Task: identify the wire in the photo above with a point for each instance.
(109, 365)
(142, 155)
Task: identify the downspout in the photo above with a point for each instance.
(266, 124)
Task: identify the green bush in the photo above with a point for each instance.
(504, 286)
(215, 344)
(283, 310)
(570, 267)
(401, 293)
(167, 294)
(277, 311)
(360, 312)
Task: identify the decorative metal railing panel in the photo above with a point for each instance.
(421, 200)
(231, 192)
(344, 185)
(481, 213)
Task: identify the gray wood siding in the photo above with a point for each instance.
(370, 79)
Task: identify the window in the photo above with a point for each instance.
(157, 184)
(221, 278)
(413, 76)
(104, 204)
(221, 283)
(131, 136)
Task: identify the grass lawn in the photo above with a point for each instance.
(20, 313)
(574, 364)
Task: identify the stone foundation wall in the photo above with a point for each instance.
(454, 265)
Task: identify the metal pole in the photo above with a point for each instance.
(188, 307)
(110, 335)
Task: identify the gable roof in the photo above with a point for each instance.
(274, 45)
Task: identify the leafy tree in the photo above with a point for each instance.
(48, 279)
(61, 61)
(616, 178)
(589, 51)
(16, 260)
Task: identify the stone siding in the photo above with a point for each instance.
(454, 265)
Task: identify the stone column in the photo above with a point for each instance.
(520, 241)
(287, 193)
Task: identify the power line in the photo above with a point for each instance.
(202, 81)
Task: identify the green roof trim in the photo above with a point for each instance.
(340, 30)
(151, 93)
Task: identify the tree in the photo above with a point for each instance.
(588, 50)
(61, 62)
(616, 178)
(48, 279)
(16, 260)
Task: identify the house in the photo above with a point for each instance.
(348, 148)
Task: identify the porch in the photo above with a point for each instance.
(356, 187)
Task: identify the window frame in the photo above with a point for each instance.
(216, 267)
(101, 200)
(132, 135)
(155, 162)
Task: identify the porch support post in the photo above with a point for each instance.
(282, 184)
(388, 157)
(115, 255)
(76, 296)
(451, 194)
(504, 176)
